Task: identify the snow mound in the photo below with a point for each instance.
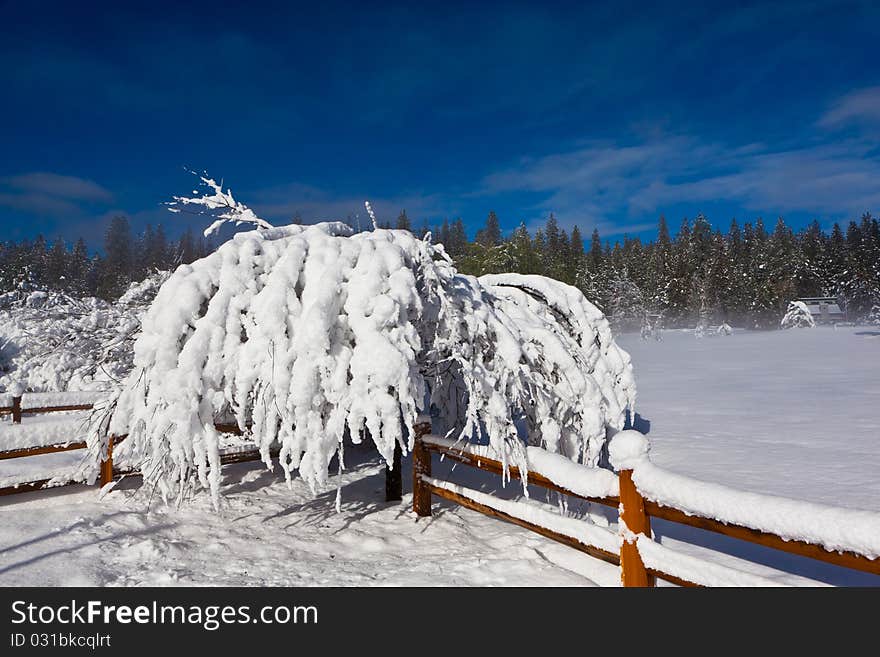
(627, 449)
(308, 333)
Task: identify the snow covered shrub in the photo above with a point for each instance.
(308, 333)
(797, 316)
(50, 341)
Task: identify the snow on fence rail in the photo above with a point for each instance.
(44, 402)
(640, 491)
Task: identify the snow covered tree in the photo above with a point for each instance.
(307, 334)
(680, 287)
(627, 303)
(81, 270)
(57, 267)
(809, 276)
(797, 316)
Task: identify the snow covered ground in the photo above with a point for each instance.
(790, 413)
(268, 535)
(793, 413)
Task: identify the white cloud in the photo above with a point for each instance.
(859, 107)
(58, 186)
(52, 195)
(625, 186)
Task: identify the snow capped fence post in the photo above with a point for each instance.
(626, 449)
(421, 467)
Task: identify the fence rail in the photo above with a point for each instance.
(635, 512)
(107, 471)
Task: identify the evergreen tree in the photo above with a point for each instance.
(552, 248)
(80, 269)
(38, 260)
(526, 259)
(659, 270)
(594, 259)
(403, 222)
(490, 234)
(118, 263)
(57, 267)
(810, 275)
(679, 290)
(143, 249)
(540, 251)
(763, 311)
(457, 239)
(577, 244)
(443, 234)
(187, 248)
(663, 232)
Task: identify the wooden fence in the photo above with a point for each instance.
(635, 512)
(393, 479)
(107, 471)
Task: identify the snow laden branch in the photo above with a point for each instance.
(219, 204)
(372, 215)
(312, 335)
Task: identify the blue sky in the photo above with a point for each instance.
(606, 114)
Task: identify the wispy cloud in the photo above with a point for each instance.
(833, 179)
(58, 186)
(623, 186)
(859, 107)
(52, 195)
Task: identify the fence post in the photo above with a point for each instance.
(632, 513)
(393, 480)
(16, 410)
(626, 450)
(421, 466)
(107, 464)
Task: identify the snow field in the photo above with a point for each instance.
(737, 411)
